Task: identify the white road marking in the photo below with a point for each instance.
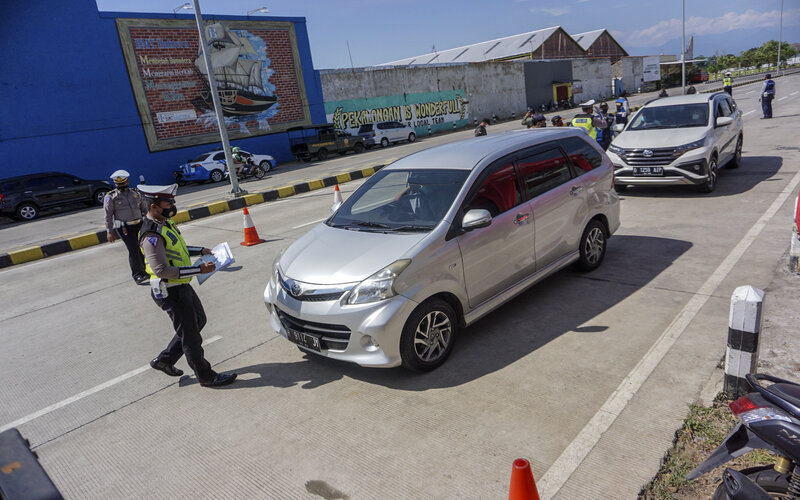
(751, 111)
(793, 93)
(782, 98)
(309, 223)
(749, 91)
(569, 460)
(86, 393)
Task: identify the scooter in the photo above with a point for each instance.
(250, 169)
(769, 420)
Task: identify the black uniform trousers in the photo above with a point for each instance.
(188, 317)
(766, 106)
(135, 255)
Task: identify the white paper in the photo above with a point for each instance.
(220, 255)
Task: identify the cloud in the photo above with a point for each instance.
(579, 1)
(670, 29)
(553, 11)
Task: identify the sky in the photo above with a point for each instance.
(379, 31)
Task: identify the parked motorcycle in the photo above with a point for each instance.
(769, 420)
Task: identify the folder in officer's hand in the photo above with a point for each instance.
(220, 255)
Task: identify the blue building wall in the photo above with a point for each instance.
(67, 103)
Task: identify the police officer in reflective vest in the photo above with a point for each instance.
(590, 121)
(168, 263)
(727, 83)
(127, 207)
(623, 109)
(766, 96)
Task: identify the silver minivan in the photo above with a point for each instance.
(439, 238)
(384, 133)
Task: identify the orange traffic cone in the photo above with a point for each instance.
(522, 485)
(337, 198)
(250, 234)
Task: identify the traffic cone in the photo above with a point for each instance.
(337, 198)
(522, 485)
(250, 234)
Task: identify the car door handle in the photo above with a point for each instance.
(28, 192)
(60, 187)
(575, 190)
(521, 218)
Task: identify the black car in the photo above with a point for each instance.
(25, 196)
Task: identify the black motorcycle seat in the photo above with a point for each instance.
(787, 392)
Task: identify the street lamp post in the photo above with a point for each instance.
(683, 45)
(260, 10)
(780, 39)
(212, 85)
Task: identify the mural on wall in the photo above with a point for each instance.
(439, 110)
(256, 67)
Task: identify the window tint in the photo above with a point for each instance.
(723, 108)
(37, 183)
(498, 192)
(731, 103)
(365, 128)
(10, 186)
(581, 154)
(384, 126)
(62, 180)
(544, 171)
(219, 156)
(397, 125)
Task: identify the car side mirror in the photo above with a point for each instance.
(724, 121)
(618, 127)
(475, 219)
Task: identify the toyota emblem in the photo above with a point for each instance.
(296, 289)
(647, 153)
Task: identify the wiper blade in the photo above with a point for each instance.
(373, 224)
(412, 228)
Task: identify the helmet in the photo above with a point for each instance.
(235, 149)
(120, 177)
(728, 73)
(556, 118)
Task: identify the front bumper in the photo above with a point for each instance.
(367, 334)
(688, 169)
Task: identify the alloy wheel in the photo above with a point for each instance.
(594, 244)
(432, 336)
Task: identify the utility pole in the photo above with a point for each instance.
(683, 45)
(212, 85)
(780, 39)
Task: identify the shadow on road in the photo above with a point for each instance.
(563, 303)
(730, 182)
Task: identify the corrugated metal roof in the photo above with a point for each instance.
(585, 40)
(491, 50)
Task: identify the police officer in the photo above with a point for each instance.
(168, 263)
(588, 120)
(606, 133)
(127, 207)
(766, 96)
(623, 108)
(727, 83)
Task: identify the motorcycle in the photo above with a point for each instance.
(250, 169)
(769, 419)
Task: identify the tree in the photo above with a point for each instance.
(769, 51)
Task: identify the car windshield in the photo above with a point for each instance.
(414, 200)
(202, 157)
(677, 116)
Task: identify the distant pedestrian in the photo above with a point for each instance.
(527, 120)
(623, 109)
(557, 121)
(663, 93)
(125, 207)
(727, 83)
(169, 265)
(766, 96)
(481, 128)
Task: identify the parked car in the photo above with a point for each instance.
(319, 141)
(23, 197)
(679, 140)
(437, 239)
(211, 166)
(384, 133)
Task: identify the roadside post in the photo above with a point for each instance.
(794, 247)
(744, 327)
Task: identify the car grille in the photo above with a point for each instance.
(637, 157)
(334, 337)
(310, 297)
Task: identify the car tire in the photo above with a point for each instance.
(592, 246)
(27, 211)
(412, 137)
(384, 142)
(266, 166)
(216, 176)
(428, 336)
(736, 161)
(358, 148)
(99, 196)
(322, 154)
(620, 188)
(711, 182)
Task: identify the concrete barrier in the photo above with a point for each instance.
(744, 327)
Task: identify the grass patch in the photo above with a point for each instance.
(703, 430)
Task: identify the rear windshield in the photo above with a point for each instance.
(365, 128)
(677, 116)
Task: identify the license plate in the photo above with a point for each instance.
(304, 339)
(648, 171)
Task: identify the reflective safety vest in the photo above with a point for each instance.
(727, 81)
(177, 253)
(585, 122)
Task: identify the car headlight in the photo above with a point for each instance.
(615, 149)
(379, 286)
(688, 147)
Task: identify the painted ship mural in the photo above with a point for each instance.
(240, 84)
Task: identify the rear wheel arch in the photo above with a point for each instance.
(604, 221)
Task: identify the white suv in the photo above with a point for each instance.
(385, 132)
(679, 140)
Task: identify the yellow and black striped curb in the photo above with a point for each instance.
(90, 239)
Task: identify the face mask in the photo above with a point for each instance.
(168, 213)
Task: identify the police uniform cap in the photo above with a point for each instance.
(158, 192)
(587, 104)
(120, 176)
